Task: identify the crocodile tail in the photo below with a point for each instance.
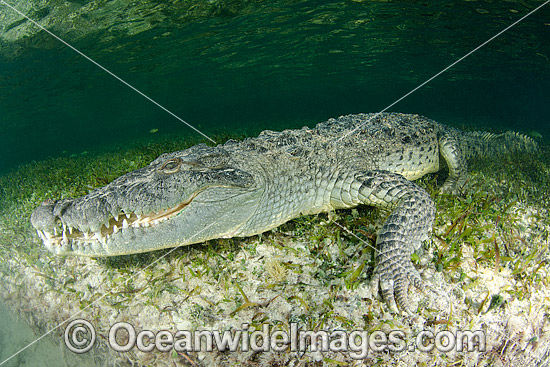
(484, 144)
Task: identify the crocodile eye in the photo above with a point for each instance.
(171, 165)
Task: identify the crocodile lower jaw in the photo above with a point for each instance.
(64, 235)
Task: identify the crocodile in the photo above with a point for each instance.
(243, 188)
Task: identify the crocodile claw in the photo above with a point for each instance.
(392, 276)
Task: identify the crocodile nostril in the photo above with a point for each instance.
(61, 206)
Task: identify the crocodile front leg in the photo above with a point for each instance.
(412, 212)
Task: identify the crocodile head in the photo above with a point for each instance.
(180, 198)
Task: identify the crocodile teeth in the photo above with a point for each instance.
(115, 217)
(113, 211)
(115, 229)
(125, 224)
(99, 237)
(65, 239)
(71, 230)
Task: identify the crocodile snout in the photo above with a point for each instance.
(42, 218)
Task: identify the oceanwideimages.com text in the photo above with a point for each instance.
(123, 337)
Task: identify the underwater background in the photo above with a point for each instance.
(234, 68)
(244, 66)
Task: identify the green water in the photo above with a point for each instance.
(244, 66)
(237, 66)
(16, 334)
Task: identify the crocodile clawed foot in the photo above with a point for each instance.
(448, 190)
(393, 278)
(452, 186)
